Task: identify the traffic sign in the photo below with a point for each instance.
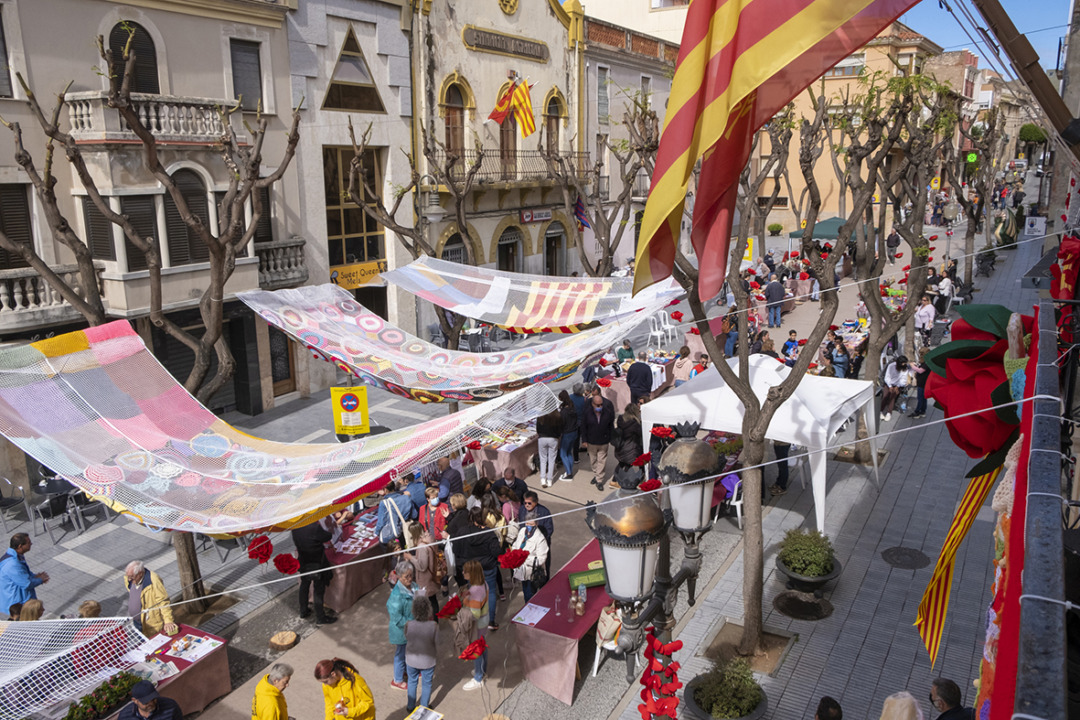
(972, 157)
(935, 183)
(803, 225)
(350, 407)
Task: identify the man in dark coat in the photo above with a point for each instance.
(774, 300)
(512, 481)
(639, 378)
(947, 699)
(449, 479)
(578, 398)
(310, 541)
(596, 434)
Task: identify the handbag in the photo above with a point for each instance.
(539, 576)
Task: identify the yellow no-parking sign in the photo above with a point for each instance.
(350, 410)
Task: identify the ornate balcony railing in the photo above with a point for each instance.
(281, 263)
(27, 300)
(499, 166)
(641, 185)
(169, 118)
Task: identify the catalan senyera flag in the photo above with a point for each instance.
(740, 62)
(935, 601)
(580, 213)
(503, 105)
(523, 110)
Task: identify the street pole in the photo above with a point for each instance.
(1026, 62)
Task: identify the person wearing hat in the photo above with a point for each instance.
(146, 704)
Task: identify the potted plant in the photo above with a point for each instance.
(806, 558)
(728, 691)
(775, 228)
(105, 699)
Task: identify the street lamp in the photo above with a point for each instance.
(632, 529)
(433, 211)
(949, 212)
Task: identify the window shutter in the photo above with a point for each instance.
(5, 71)
(98, 231)
(143, 217)
(602, 94)
(184, 247)
(263, 230)
(15, 222)
(146, 70)
(247, 75)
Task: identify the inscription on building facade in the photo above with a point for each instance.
(495, 42)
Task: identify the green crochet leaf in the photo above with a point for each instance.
(993, 319)
(994, 459)
(1001, 395)
(961, 349)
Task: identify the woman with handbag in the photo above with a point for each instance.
(531, 573)
(426, 564)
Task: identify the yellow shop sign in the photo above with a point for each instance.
(357, 274)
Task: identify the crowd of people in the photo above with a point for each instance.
(945, 698)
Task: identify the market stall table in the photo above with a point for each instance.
(549, 649)
(200, 680)
(696, 344)
(352, 581)
(491, 462)
(618, 392)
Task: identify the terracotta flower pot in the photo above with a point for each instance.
(696, 711)
(806, 583)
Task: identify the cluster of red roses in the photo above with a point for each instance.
(660, 679)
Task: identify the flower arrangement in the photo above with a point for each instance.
(450, 609)
(794, 253)
(260, 549)
(512, 559)
(473, 650)
(286, 563)
(104, 699)
(660, 679)
(834, 328)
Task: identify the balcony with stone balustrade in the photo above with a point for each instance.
(281, 263)
(28, 302)
(170, 118)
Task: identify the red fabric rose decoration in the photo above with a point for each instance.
(929, 259)
(806, 261)
(834, 328)
(677, 316)
(804, 276)
(663, 432)
(695, 331)
(812, 366)
(513, 559)
(473, 650)
(755, 285)
(642, 460)
(475, 445)
(932, 248)
(603, 362)
(286, 563)
(450, 609)
(260, 549)
(902, 281)
(802, 342)
(603, 382)
(794, 253)
(932, 238)
(906, 268)
(649, 485)
(751, 271)
(899, 255)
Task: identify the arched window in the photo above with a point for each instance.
(455, 120)
(552, 118)
(454, 250)
(508, 148)
(510, 252)
(145, 79)
(555, 250)
(185, 247)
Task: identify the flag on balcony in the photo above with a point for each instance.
(579, 213)
(935, 601)
(740, 63)
(503, 106)
(523, 110)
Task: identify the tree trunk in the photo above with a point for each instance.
(187, 561)
(753, 547)
(969, 248)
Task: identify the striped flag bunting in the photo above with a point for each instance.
(580, 214)
(740, 62)
(503, 105)
(935, 601)
(523, 110)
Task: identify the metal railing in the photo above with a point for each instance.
(167, 117)
(641, 184)
(281, 263)
(499, 166)
(28, 300)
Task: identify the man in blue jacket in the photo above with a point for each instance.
(17, 583)
(394, 510)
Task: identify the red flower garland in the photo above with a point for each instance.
(513, 559)
(450, 609)
(603, 382)
(642, 460)
(473, 650)
(649, 485)
(260, 549)
(660, 682)
(286, 563)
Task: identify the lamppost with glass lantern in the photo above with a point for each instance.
(949, 212)
(632, 528)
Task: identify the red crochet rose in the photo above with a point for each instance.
(603, 362)
(755, 285)
(513, 559)
(286, 563)
(751, 271)
(899, 255)
(804, 276)
(450, 609)
(473, 650)
(902, 281)
(649, 485)
(932, 248)
(261, 549)
(834, 328)
(932, 238)
(603, 382)
(695, 331)
(642, 460)
(794, 253)
(802, 342)
(677, 316)
(812, 365)
(929, 259)
(906, 268)
(663, 432)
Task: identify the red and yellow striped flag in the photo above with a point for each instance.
(523, 110)
(935, 601)
(740, 62)
(502, 105)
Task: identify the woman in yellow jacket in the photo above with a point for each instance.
(345, 693)
(269, 700)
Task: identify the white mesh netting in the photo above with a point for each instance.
(336, 328)
(100, 410)
(528, 303)
(47, 662)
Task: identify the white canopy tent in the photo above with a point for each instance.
(810, 417)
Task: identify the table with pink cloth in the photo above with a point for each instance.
(199, 682)
(491, 462)
(618, 392)
(549, 650)
(352, 581)
(801, 289)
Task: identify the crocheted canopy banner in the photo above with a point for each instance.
(96, 407)
(528, 303)
(334, 327)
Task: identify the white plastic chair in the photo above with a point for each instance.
(737, 501)
(668, 327)
(656, 330)
(611, 647)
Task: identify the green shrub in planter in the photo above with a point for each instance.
(775, 228)
(728, 690)
(807, 552)
(105, 699)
